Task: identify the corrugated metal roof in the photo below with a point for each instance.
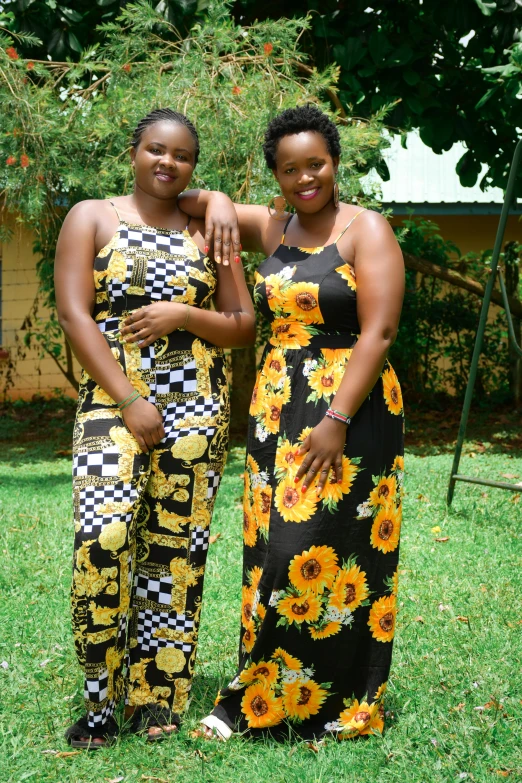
(420, 176)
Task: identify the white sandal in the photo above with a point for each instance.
(218, 729)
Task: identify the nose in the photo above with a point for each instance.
(167, 161)
(305, 179)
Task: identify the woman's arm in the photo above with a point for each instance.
(235, 227)
(230, 325)
(75, 298)
(379, 270)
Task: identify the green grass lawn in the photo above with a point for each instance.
(455, 694)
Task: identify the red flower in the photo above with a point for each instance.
(24, 161)
(126, 67)
(10, 161)
(30, 65)
(12, 53)
(268, 48)
(40, 178)
(236, 90)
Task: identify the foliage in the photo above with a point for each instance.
(439, 63)
(438, 324)
(66, 127)
(63, 30)
(438, 60)
(453, 705)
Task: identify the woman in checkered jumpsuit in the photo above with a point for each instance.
(145, 475)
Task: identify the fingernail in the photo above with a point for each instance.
(237, 259)
(225, 262)
(206, 248)
(303, 489)
(241, 247)
(296, 480)
(218, 259)
(339, 481)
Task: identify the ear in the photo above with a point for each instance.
(132, 155)
(274, 174)
(336, 164)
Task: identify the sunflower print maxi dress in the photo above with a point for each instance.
(142, 520)
(319, 575)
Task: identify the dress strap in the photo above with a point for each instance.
(117, 213)
(349, 224)
(284, 230)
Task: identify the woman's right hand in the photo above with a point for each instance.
(221, 222)
(145, 422)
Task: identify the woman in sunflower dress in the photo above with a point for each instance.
(322, 500)
(133, 290)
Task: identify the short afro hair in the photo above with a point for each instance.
(165, 115)
(298, 120)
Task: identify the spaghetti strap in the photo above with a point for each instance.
(117, 213)
(349, 224)
(284, 230)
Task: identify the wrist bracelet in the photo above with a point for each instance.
(186, 317)
(338, 416)
(133, 392)
(129, 400)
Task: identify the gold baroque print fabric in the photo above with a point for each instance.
(319, 596)
(142, 520)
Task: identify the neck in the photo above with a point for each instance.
(313, 221)
(155, 210)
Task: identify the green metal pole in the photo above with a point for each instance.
(508, 197)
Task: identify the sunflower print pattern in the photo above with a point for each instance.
(319, 595)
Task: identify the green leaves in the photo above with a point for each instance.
(468, 169)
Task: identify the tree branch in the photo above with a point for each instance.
(460, 281)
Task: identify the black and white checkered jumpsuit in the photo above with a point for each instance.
(142, 520)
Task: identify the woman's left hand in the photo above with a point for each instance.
(154, 321)
(325, 445)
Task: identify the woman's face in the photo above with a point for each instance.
(164, 159)
(305, 171)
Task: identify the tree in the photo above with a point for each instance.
(66, 126)
(438, 61)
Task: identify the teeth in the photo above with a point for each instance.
(308, 192)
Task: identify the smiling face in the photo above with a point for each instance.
(305, 171)
(164, 159)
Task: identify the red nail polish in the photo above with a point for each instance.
(241, 247)
(206, 248)
(296, 480)
(303, 489)
(237, 259)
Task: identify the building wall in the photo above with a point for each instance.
(31, 374)
(472, 233)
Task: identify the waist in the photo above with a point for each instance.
(295, 335)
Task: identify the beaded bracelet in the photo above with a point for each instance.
(338, 416)
(129, 400)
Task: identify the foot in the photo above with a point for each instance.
(153, 731)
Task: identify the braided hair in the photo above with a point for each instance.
(299, 120)
(165, 115)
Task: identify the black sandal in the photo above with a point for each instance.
(150, 716)
(75, 734)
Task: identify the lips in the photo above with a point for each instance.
(164, 177)
(308, 194)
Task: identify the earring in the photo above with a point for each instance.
(336, 195)
(277, 207)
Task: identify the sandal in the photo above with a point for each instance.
(150, 716)
(212, 728)
(81, 735)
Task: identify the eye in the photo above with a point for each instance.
(181, 157)
(316, 165)
(155, 150)
(289, 171)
